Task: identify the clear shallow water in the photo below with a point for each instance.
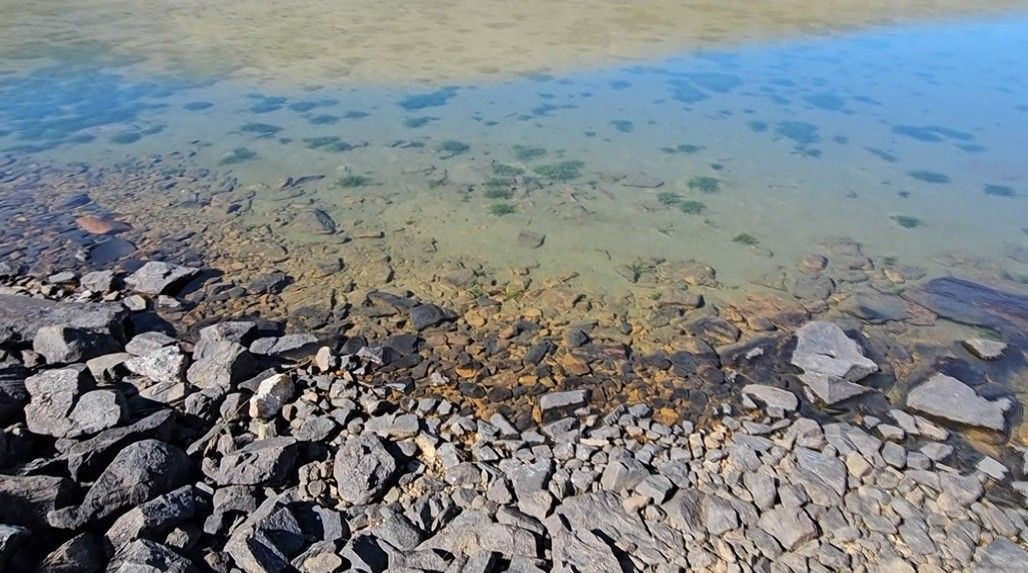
(907, 139)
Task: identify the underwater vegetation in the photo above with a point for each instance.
(622, 125)
(328, 143)
(758, 126)
(705, 184)
(352, 180)
(501, 209)
(528, 153)
(929, 176)
(324, 119)
(560, 171)
(827, 102)
(267, 104)
(126, 137)
(260, 129)
(437, 98)
(307, 105)
(668, 198)
(237, 155)
(906, 221)
(416, 122)
(355, 114)
(745, 239)
(883, 155)
(691, 207)
(494, 188)
(931, 133)
(998, 190)
(197, 105)
(451, 147)
(504, 170)
(801, 132)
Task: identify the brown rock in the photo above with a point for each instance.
(101, 225)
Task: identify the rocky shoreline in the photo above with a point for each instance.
(132, 443)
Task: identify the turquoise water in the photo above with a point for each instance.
(909, 139)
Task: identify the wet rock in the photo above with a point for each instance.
(26, 500)
(424, 316)
(363, 468)
(315, 221)
(260, 462)
(875, 307)
(976, 304)
(950, 399)
(158, 277)
(138, 473)
(985, 349)
(813, 287)
(531, 239)
(269, 283)
(101, 225)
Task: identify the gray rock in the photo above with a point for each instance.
(875, 307)
(223, 364)
(831, 389)
(164, 364)
(80, 554)
(12, 537)
(426, 315)
(985, 349)
(362, 470)
(791, 526)
(138, 473)
(98, 410)
(87, 457)
(262, 462)
(77, 331)
(559, 404)
(315, 221)
(771, 396)
(290, 346)
(823, 348)
(153, 518)
(1002, 555)
(240, 332)
(26, 500)
(272, 394)
(268, 283)
(158, 277)
(828, 469)
(147, 342)
(98, 281)
(398, 531)
(579, 550)
(950, 399)
(54, 393)
(719, 515)
(472, 532)
(143, 555)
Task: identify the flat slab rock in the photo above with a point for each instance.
(25, 315)
(832, 363)
(159, 277)
(950, 399)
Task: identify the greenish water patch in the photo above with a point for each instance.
(451, 147)
(704, 183)
(745, 239)
(237, 156)
(622, 125)
(561, 171)
(929, 176)
(352, 180)
(906, 221)
(260, 129)
(501, 209)
(528, 152)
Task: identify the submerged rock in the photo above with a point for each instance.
(950, 399)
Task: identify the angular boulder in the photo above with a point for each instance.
(950, 399)
(362, 470)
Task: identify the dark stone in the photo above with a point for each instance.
(87, 330)
(363, 468)
(269, 283)
(26, 500)
(138, 473)
(427, 315)
(80, 554)
(262, 462)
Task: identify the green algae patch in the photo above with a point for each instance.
(745, 239)
(560, 171)
(501, 209)
(528, 153)
(705, 184)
